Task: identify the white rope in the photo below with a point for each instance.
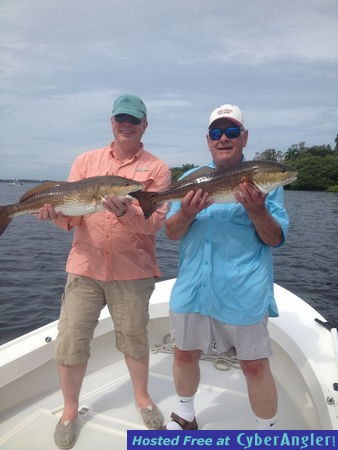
(220, 362)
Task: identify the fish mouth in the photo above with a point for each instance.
(290, 178)
(293, 174)
(137, 188)
(293, 177)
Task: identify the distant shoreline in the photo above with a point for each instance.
(20, 180)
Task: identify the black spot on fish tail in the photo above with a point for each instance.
(147, 201)
(4, 219)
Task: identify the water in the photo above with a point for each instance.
(33, 256)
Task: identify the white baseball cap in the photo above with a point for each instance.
(231, 112)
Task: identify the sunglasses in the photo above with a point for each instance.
(120, 118)
(231, 132)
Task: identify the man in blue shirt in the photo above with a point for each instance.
(224, 287)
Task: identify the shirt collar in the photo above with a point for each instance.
(133, 158)
(212, 164)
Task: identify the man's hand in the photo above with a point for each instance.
(250, 197)
(116, 205)
(253, 200)
(194, 201)
(47, 212)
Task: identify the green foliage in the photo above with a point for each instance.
(317, 165)
(315, 172)
(176, 172)
(333, 188)
(297, 151)
(270, 155)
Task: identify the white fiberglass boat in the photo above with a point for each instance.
(304, 363)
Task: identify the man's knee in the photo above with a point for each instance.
(72, 347)
(255, 368)
(134, 344)
(183, 357)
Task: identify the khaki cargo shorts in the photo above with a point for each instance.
(82, 301)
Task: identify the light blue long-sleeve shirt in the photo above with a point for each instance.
(225, 270)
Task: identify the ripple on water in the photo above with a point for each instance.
(33, 256)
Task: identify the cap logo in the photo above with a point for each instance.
(224, 111)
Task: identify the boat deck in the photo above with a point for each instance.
(304, 364)
(107, 410)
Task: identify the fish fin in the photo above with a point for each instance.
(4, 219)
(246, 179)
(147, 202)
(39, 188)
(262, 188)
(204, 170)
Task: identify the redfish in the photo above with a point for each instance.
(74, 198)
(221, 184)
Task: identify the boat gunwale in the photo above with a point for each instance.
(319, 369)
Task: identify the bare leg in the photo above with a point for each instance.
(139, 372)
(186, 372)
(71, 378)
(261, 387)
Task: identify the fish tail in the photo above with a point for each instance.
(147, 201)
(5, 220)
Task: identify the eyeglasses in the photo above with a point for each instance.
(231, 132)
(120, 118)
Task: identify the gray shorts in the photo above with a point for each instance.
(197, 332)
(82, 301)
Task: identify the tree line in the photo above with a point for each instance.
(317, 165)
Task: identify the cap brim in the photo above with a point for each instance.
(227, 118)
(129, 111)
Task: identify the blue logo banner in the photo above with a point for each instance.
(232, 440)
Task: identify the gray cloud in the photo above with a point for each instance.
(62, 64)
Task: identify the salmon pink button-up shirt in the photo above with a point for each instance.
(106, 247)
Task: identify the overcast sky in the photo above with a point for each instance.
(63, 62)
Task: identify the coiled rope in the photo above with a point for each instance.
(220, 362)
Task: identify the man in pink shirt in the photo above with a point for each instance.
(112, 261)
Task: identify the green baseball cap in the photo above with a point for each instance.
(129, 104)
